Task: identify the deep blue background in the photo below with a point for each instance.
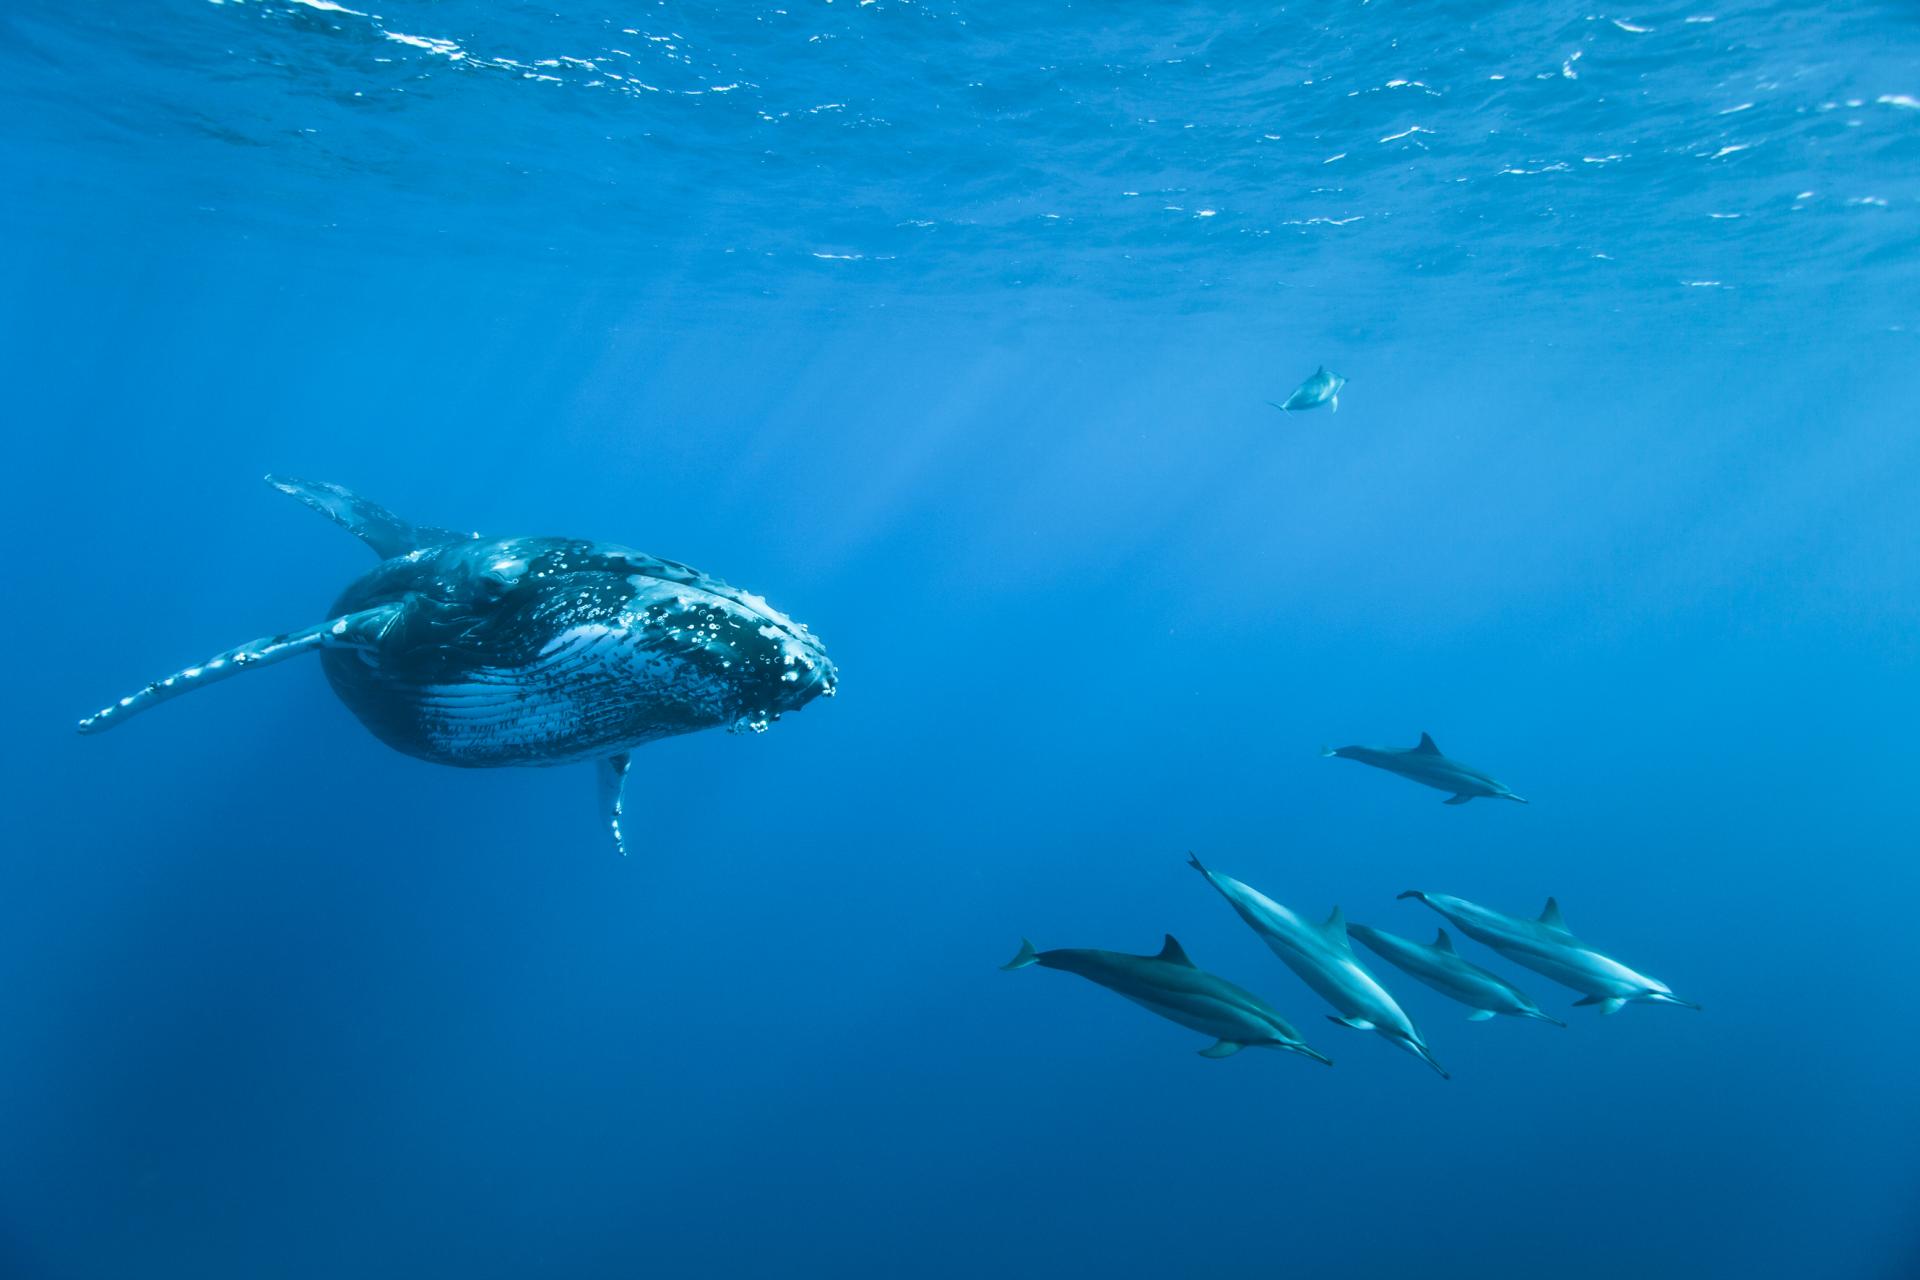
(281, 1003)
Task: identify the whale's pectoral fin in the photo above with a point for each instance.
(1608, 1004)
(373, 524)
(1456, 799)
(1358, 1024)
(613, 796)
(1479, 1015)
(1222, 1049)
(361, 630)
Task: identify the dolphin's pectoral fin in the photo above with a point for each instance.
(373, 524)
(613, 796)
(1222, 1049)
(1479, 1015)
(349, 631)
(1358, 1024)
(1608, 1004)
(1335, 401)
(1462, 799)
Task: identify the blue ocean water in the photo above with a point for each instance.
(949, 328)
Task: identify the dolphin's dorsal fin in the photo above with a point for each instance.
(1174, 953)
(373, 524)
(1336, 928)
(1427, 747)
(1441, 942)
(1550, 916)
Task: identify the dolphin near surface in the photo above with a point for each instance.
(1439, 966)
(1323, 958)
(1322, 388)
(1546, 947)
(1173, 987)
(479, 651)
(1424, 763)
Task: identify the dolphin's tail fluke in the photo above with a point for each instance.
(1326, 752)
(1026, 957)
(1282, 408)
(1411, 893)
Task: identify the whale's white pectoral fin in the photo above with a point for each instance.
(613, 796)
(373, 524)
(1221, 1049)
(1358, 1024)
(1479, 1015)
(361, 630)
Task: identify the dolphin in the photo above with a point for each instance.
(1171, 986)
(478, 651)
(1545, 946)
(1324, 960)
(1322, 388)
(1424, 764)
(1451, 974)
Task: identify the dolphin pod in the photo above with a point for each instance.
(1424, 763)
(1546, 946)
(479, 652)
(1322, 956)
(1175, 988)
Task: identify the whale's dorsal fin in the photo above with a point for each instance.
(373, 524)
(1427, 747)
(1550, 916)
(1336, 929)
(1174, 953)
(1442, 942)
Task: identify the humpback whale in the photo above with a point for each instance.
(1451, 974)
(1424, 764)
(1323, 958)
(1545, 946)
(1171, 986)
(480, 651)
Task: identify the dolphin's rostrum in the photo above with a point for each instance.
(1545, 946)
(1451, 974)
(1323, 958)
(478, 652)
(1424, 764)
(1171, 986)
